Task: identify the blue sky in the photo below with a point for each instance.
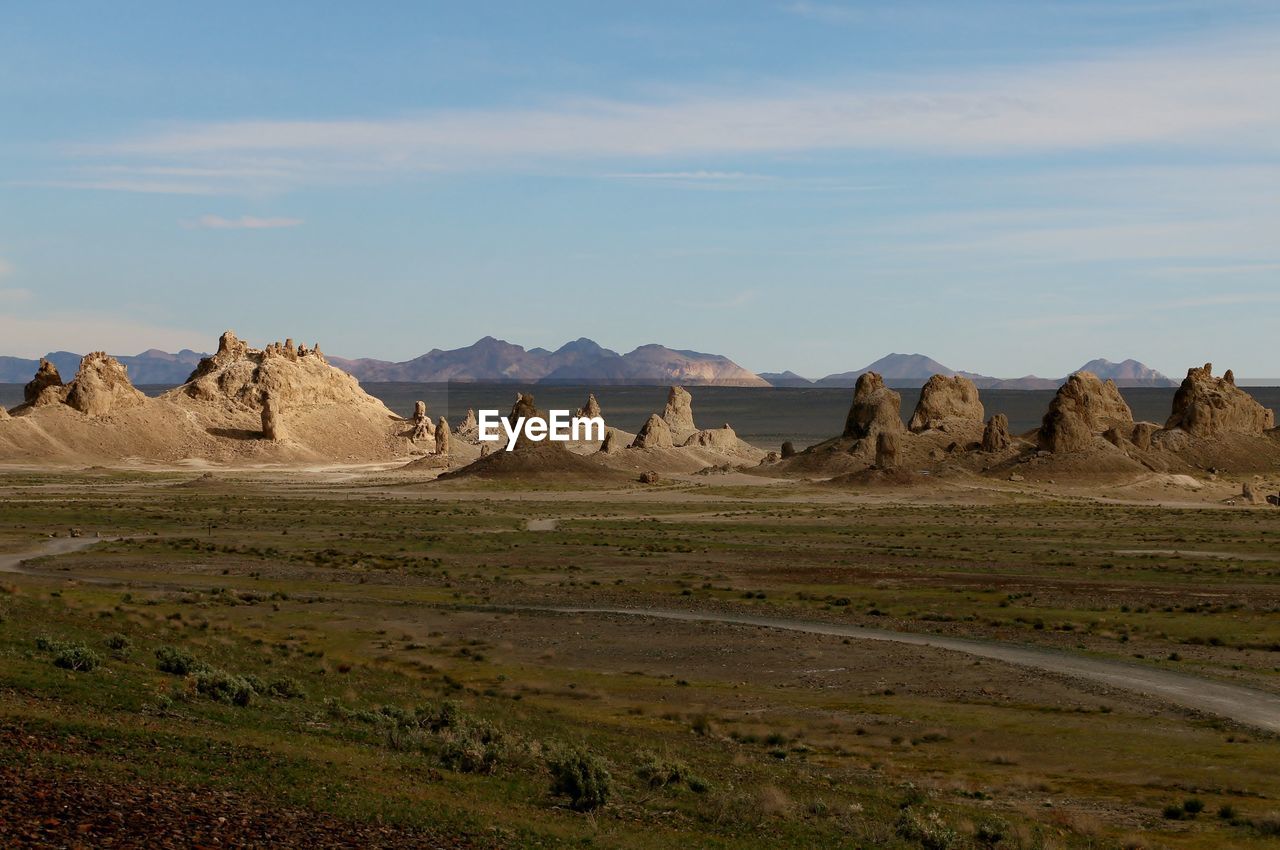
(1009, 187)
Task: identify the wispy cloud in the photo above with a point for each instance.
(244, 222)
(1220, 97)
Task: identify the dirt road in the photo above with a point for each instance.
(1248, 706)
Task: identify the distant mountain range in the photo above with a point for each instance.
(585, 362)
(150, 367)
(912, 370)
(579, 362)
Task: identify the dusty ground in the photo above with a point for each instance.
(377, 593)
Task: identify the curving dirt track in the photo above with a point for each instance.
(1248, 706)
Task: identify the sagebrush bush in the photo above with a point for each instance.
(119, 643)
(179, 662)
(926, 829)
(582, 777)
(286, 687)
(77, 657)
(659, 772)
(221, 686)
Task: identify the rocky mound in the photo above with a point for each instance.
(875, 408)
(945, 401)
(995, 436)
(45, 388)
(591, 409)
(102, 386)
(1205, 406)
(678, 414)
(1084, 408)
(656, 434)
(533, 462)
(281, 404)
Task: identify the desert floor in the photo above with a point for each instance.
(357, 657)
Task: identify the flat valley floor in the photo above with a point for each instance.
(355, 658)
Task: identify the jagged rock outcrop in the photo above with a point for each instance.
(524, 407)
(678, 414)
(946, 399)
(1142, 435)
(591, 409)
(241, 375)
(46, 377)
(4, 414)
(612, 442)
(422, 428)
(788, 450)
(1249, 495)
(1205, 406)
(442, 437)
(887, 450)
(470, 428)
(272, 424)
(995, 436)
(1084, 408)
(656, 434)
(722, 438)
(101, 386)
(875, 408)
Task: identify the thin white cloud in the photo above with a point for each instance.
(1218, 97)
(244, 222)
(718, 176)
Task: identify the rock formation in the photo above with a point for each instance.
(272, 426)
(995, 437)
(422, 427)
(678, 413)
(1249, 495)
(722, 438)
(469, 429)
(101, 386)
(1142, 434)
(442, 437)
(656, 434)
(944, 399)
(612, 442)
(887, 450)
(1084, 408)
(875, 408)
(788, 450)
(4, 414)
(591, 409)
(241, 374)
(1205, 406)
(46, 377)
(525, 407)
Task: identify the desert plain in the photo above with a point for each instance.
(262, 611)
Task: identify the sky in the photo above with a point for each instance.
(1010, 186)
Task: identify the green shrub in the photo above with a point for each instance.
(179, 662)
(285, 688)
(221, 686)
(119, 643)
(990, 832)
(77, 657)
(1226, 811)
(1193, 805)
(1173, 812)
(658, 772)
(582, 777)
(927, 829)
(478, 748)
